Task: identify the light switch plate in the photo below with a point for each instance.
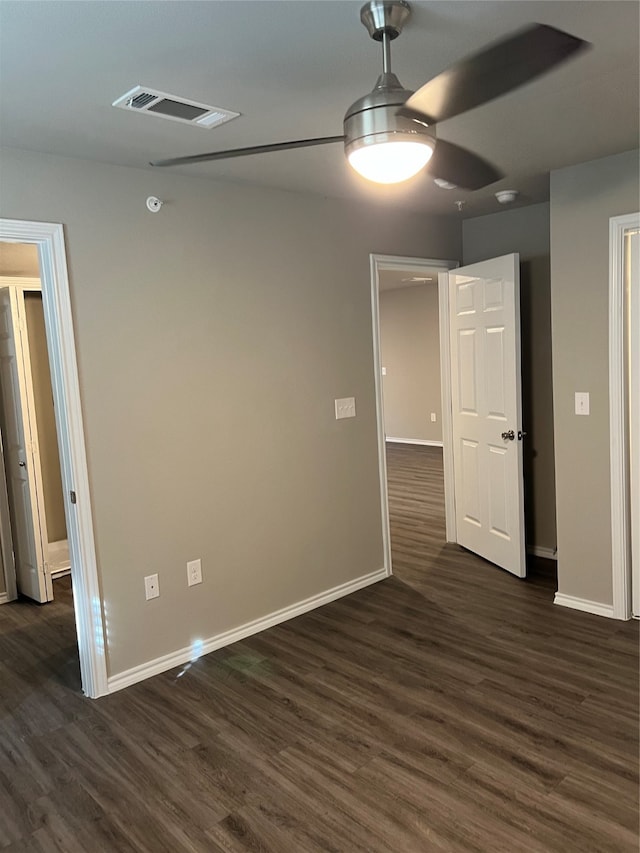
(345, 408)
(582, 402)
(433, 417)
(384, 371)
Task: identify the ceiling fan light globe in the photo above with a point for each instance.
(389, 162)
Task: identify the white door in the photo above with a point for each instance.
(486, 412)
(21, 451)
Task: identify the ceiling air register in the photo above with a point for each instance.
(141, 99)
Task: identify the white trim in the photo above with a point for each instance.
(595, 607)
(451, 530)
(618, 439)
(382, 454)
(199, 648)
(422, 441)
(23, 282)
(4, 598)
(6, 536)
(541, 551)
(59, 573)
(394, 263)
(49, 237)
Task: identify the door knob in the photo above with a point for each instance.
(509, 435)
(22, 464)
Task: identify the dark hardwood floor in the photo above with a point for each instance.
(449, 708)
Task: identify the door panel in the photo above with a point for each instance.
(486, 401)
(20, 448)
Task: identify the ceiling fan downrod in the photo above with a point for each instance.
(384, 20)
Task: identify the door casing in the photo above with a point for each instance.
(49, 238)
(15, 289)
(383, 263)
(618, 424)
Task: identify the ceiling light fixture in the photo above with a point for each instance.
(444, 185)
(380, 145)
(507, 196)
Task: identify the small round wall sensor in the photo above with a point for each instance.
(153, 204)
(459, 204)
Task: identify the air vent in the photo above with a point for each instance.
(141, 99)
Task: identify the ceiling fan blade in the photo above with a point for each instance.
(492, 72)
(244, 152)
(461, 167)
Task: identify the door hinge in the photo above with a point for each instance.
(72, 495)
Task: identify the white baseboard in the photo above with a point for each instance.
(190, 653)
(584, 604)
(4, 598)
(58, 573)
(541, 551)
(422, 441)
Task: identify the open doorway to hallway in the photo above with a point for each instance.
(33, 531)
(419, 379)
(48, 240)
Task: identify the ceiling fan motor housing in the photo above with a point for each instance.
(373, 118)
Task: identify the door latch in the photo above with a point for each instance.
(72, 495)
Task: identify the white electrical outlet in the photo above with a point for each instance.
(345, 408)
(194, 572)
(433, 417)
(151, 587)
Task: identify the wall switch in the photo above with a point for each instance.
(582, 402)
(194, 572)
(433, 417)
(345, 408)
(384, 371)
(151, 587)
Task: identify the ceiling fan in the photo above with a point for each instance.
(390, 133)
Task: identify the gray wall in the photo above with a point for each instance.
(45, 418)
(583, 198)
(526, 230)
(410, 350)
(208, 367)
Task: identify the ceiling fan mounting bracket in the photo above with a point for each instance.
(382, 17)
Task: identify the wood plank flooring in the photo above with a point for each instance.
(449, 708)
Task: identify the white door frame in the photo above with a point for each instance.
(394, 263)
(49, 238)
(620, 509)
(6, 536)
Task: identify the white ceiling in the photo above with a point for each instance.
(292, 69)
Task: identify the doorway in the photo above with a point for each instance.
(482, 434)
(35, 530)
(48, 238)
(624, 411)
(411, 284)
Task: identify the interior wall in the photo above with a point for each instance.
(220, 361)
(583, 198)
(526, 230)
(410, 351)
(45, 418)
